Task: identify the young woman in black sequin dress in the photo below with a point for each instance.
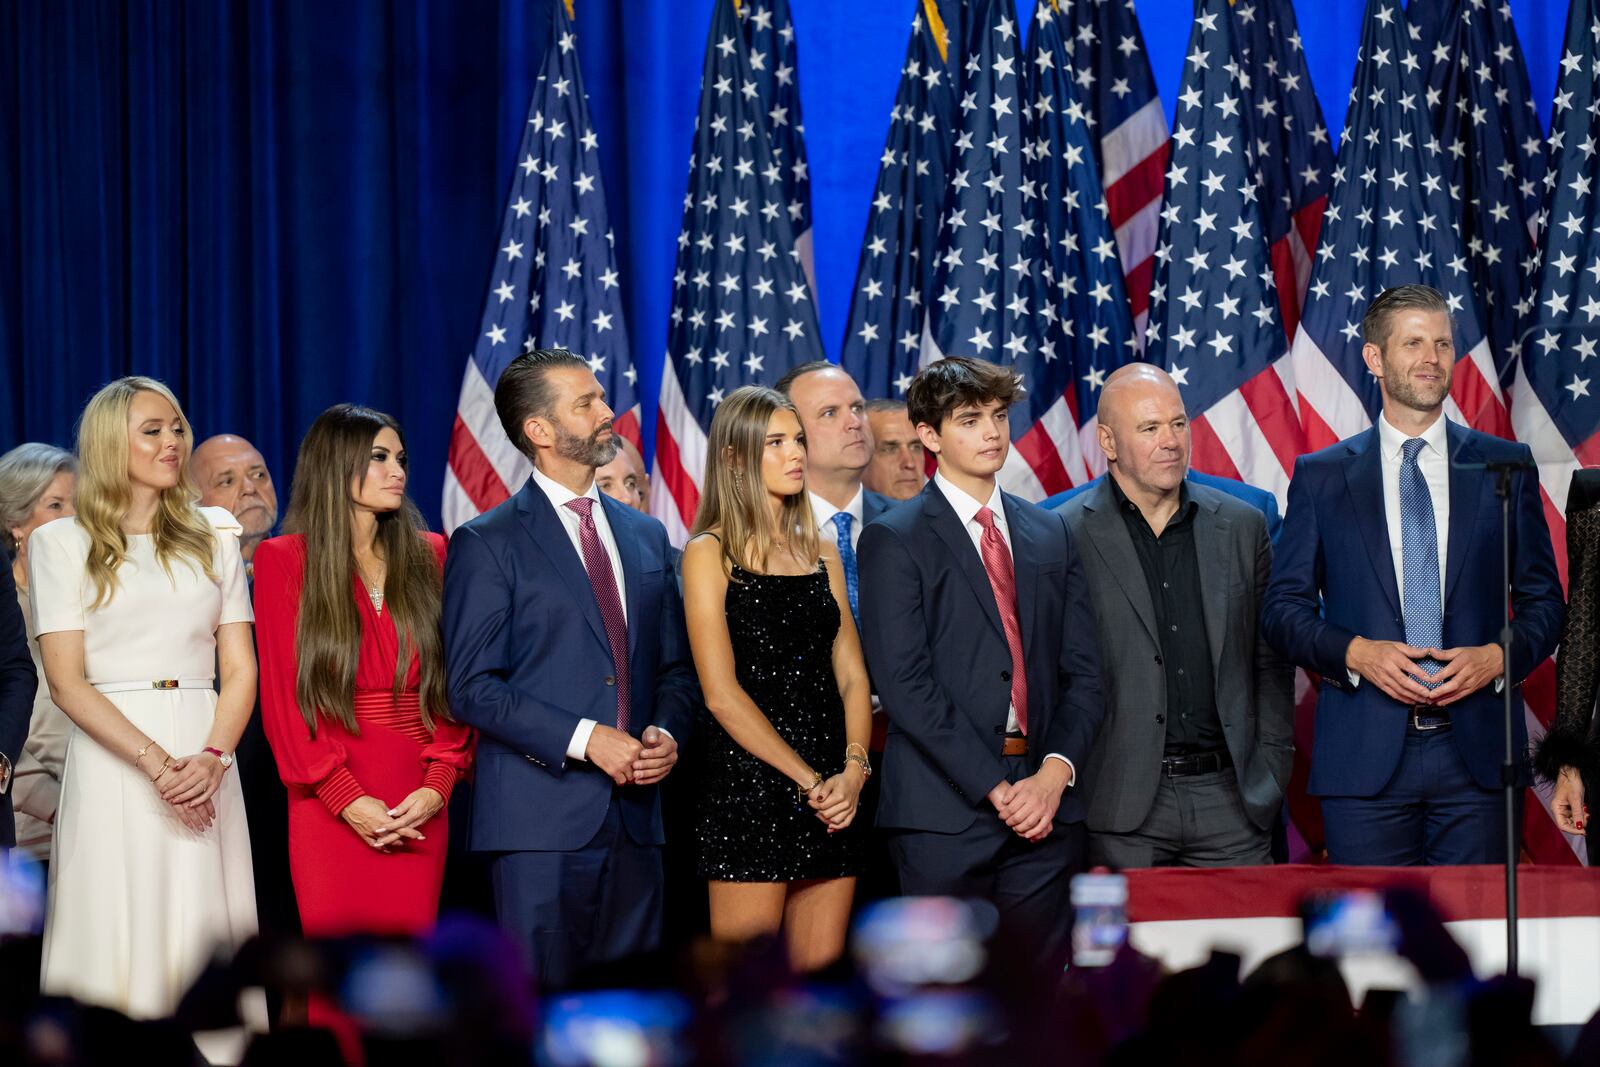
(786, 685)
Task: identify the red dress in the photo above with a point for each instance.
(343, 885)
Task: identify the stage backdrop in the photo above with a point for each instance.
(278, 206)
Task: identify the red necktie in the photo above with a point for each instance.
(1003, 580)
(604, 581)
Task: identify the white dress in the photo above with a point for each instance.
(138, 903)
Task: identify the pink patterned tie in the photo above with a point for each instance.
(604, 582)
(1003, 580)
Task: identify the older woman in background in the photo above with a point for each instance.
(37, 484)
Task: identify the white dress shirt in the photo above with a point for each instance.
(966, 509)
(572, 522)
(825, 512)
(1433, 460)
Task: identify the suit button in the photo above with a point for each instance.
(610, 680)
(1161, 718)
(1158, 661)
(1005, 676)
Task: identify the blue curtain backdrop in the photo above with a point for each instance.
(275, 206)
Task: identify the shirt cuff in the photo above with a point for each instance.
(579, 745)
(339, 790)
(1355, 679)
(1070, 767)
(664, 732)
(1500, 684)
(439, 777)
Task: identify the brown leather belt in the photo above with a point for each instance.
(1014, 746)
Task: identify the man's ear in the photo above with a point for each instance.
(929, 437)
(1372, 356)
(537, 431)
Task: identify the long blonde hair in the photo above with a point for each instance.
(179, 530)
(734, 497)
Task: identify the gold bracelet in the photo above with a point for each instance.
(803, 792)
(866, 767)
(164, 765)
(855, 744)
(140, 757)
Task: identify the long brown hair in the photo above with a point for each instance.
(179, 531)
(735, 498)
(335, 452)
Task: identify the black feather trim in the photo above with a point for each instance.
(1562, 747)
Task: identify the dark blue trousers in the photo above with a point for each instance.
(1028, 882)
(1431, 813)
(574, 910)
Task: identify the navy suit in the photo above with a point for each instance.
(528, 659)
(1260, 499)
(1333, 580)
(873, 505)
(18, 684)
(939, 658)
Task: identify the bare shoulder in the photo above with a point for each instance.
(703, 554)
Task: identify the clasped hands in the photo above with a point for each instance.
(186, 785)
(1029, 806)
(836, 799)
(1392, 667)
(382, 827)
(628, 760)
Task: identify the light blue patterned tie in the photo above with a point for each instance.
(847, 556)
(1419, 559)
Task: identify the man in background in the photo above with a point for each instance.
(624, 479)
(231, 474)
(897, 470)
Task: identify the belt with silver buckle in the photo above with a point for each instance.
(1428, 717)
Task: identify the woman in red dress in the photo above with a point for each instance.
(353, 683)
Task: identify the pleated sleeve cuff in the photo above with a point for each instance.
(339, 790)
(440, 777)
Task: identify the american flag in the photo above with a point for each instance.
(1390, 221)
(1112, 72)
(1488, 127)
(1554, 405)
(988, 290)
(1294, 154)
(1088, 325)
(1213, 309)
(742, 312)
(554, 284)
(883, 340)
(769, 33)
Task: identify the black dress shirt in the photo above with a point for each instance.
(1172, 573)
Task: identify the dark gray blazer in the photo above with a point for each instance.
(1255, 688)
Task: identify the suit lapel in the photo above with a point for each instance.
(1108, 532)
(1363, 475)
(1025, 549)
(632, 565)
(549, 536)
(948, 526)
(1211, 552)
(1466, 490)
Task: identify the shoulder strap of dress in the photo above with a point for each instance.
(706, 533)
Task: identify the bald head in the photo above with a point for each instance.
(231, 474)
(1130, 383)
(1144, 432)
(624, 479)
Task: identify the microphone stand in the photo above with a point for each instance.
(1508, 766)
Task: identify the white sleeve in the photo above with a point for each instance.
(57, 554)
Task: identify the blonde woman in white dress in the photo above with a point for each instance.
(135, 599)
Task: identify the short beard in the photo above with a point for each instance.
(590, 451)
(1403, 391)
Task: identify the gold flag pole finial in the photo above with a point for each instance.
(941, 36)
(570, 15)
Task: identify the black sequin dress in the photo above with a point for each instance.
(782, 629)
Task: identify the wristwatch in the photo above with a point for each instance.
(224, 758)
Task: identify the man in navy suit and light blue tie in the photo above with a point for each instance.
(565, 639)
(1385, 582)
(980, 636)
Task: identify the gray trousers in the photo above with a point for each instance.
(1197, 820)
